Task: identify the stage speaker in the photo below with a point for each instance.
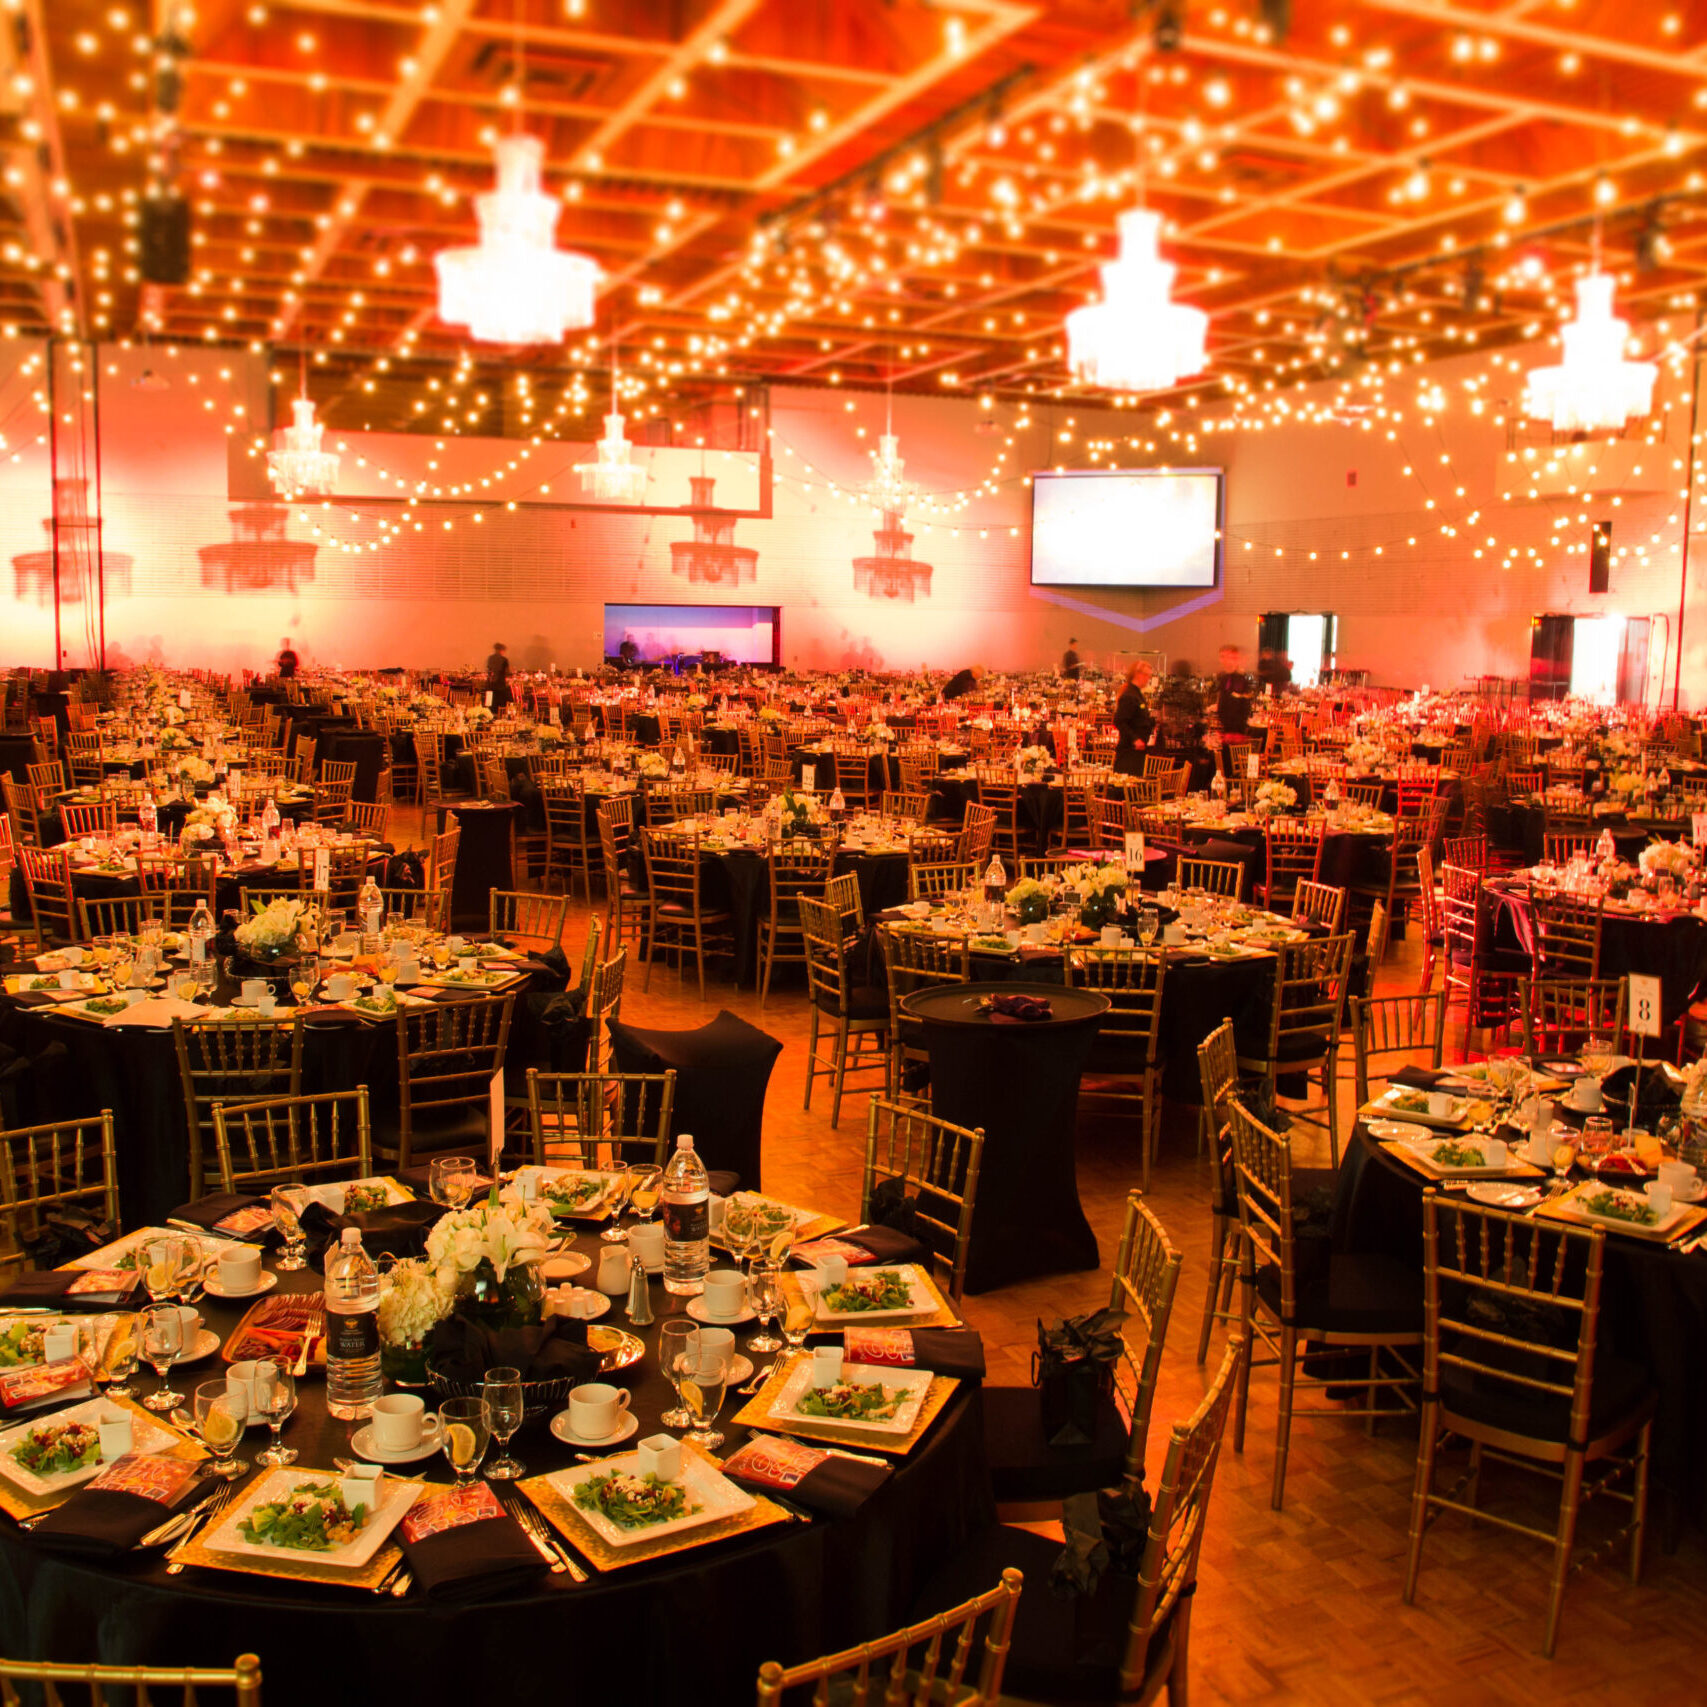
(166, 240)
(1600, 559)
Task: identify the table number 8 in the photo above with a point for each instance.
(1644, 1018)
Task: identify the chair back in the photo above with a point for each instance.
(294, 1140)
(96, 818)
(827, 978)
(1309, 1000)
(1131, 979)
(933, 1165)
(910, 1668)
(1319, 904)
(1262, 1182)
(905, 803)
(117, 915)
(231, 1061)
(1560, 1015)
(1146, 1274)
(143, 1684)
(600, 1120)
(442, 870)
(1294, 854)
(1469, 852)
(62, 1163)
(1218, 1079)
(589, 953)
(604, 1002)
(1218, 877)
(535, 918)
(977, 835)
(853, 778)
(672, 869)
(447, 1057)
(1385, 1027)
(935, 878)
(368, 818)
(843, 894)
(53, 906)
(1567, 934)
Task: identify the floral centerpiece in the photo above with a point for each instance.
(1624, 782)
(797, 814)
(1363, 756)
(174, 741)
(1101, 891)
(769, 714)
(878, 732)
(1032, 762)
(653, 765)
(479, 716)
(488, 1257)
(1273, 797)
(696, 702)
(413, 1300)
(271, 932)
(1030, 899)
(192, 768)
(1667, 859)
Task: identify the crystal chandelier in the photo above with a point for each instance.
(1136, 338)
(888, 489)
(1593, 389)
(301, 467)
(613, 477)
(514, 287)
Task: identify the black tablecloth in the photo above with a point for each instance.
(722, 1072)
(1020, 1083)
(696, 1625)
(17, 753)
(365, 748)
(483, 861)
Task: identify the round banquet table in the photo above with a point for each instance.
(1522, 824)
(696, 1625)
(1020, 1083)
(1653, 1307)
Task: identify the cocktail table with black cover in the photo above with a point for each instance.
(484, 858)
(1020, 1083)
(696, 1625)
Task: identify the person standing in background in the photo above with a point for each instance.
(1133, 721)
(286, 665)
(1232, 693)
(959, 685)
(1070, 661)
(498, 678)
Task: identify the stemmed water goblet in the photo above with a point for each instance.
(275, 1399)
(282, 1201)
(643, 1192)
(464, 1436)
(162, 1340)
(221, 1430)
(769, 1303)
(501, 1400)
(702, 1387)
(678, 1346)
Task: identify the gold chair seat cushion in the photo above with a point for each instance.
(674, 912)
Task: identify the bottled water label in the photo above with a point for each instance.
(351, 1336)
(686, 1223)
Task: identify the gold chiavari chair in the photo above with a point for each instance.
(231, 1061)
(604, 1002)
(1567, 931)
(977, 835)
(1560, 1015)
(1294, 856)
(1218, 877)
(1389, 1031)
(116, 915)
(1218, 1081)
(447, 1057)
(843, 894)
(1125, 1047)
(45, 1168)
(298, 1140)
(933, 1165)
(1319, 904)
(369, 818)
(48, 778)
(677, 914)
(999, 795)
(53, 906)
(902, 803)
(599, 1120)
(568, 847)
(916, 960)
(98, 818)
(527, 919)
(441, 870)
(857, 1017)
(625, 900)
(796, 869)
(1512, 1364)
(145, 1684)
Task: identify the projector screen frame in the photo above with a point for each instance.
(1216, 580)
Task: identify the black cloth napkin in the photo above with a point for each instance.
(1417, 1078)
(209, 1211)
(109, 1515)
(462, 1545)
(1018, 1010)
(870, 1245)
(400, 1228)
(944, 1351)
(463, 1350)
(103, 1289)
(809, 1476)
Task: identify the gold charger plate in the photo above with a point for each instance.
(295, 1567)
(1564, 1209)
(756, 1414)
(16, 1503)
(598, 1552)
(943, 1316)
(1446, 1176)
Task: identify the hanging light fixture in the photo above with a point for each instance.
(1137, 338)
(612, 476)
(299, 468)
(514, 287)
(1593, 389)
(888, 488)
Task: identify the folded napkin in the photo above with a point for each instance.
(462, 1350)
(399, 1228)
(943, 1351)
(235, 1213)
(869, 1245)
(74, 1288)
(1417, 1078)
(1017, 1010)
(462, 1545)
(819, 1480)
(111, 1513)
(45, 1384)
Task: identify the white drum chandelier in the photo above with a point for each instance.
(1137, 338)
(1593, 389)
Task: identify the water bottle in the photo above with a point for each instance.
(1606, 849)
(148, 816)
(678, 761)
(352, 1328)
(838, 806)
(269, 820)
(372, 909)
(684, 1197)
(201, 934)
(996, 887)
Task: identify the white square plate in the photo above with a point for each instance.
(146, 1438)
(916, 1382)
(716, 1496)
(111, 1256)
(1456, 1107)
(919, 1303)
(606, 1181)
(1660, 1229)
(396, 1498)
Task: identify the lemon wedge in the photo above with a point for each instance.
(220, 1427)
(692, 1397)
(463, 1445)
(781, 1243)
(161, 1277)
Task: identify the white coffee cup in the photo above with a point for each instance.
(725, 1294)
(192, 1326)
(340, 986)
(254, 989)
(832, 1271)
(1541, 1146)
(266, 1004)
(400, 1423)
(647, 1243)
(1173, 934)
(595, 1409)
(1495, 1152)
(239, 1270)
(1679, 1177)
(113, 1426)
(1659, 1196)
(712, 1340)
(1585, 1095)
(660, 1455)
(240, 1390)
(1110, 936)
(826, 1365)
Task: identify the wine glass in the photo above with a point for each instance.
(119, 1364)
(289, 1223)
(1149, 922)
(162, 1263)
(450, 1180)
(162, 1340)
(122, 970)
(678, 1345)
(275, 1399)
(221, 1429)
(702, 1386)
(186, 986)
(501, 1396)
(740, 1229)
(618, 1200)
(463, 1434)
(305, 979)
(797, 1321)
(769, 1302)
(643, 1193)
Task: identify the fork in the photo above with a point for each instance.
(224, 1498)
(758, 1379)
(530, 1520)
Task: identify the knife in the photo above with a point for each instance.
(532, 1520)
(539, 1546)
(202, 1232)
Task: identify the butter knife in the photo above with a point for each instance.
(539, 1546)
(530, 1518)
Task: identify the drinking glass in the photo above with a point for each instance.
(221, 1431)
(678, 1345)
(614, 1233)
(305, 979)
(740, 1230)
(1149, 923)
(450, 1180)
(501, 1396)
(769, 1302)
(162, 1340)
(643, 1194)
(289, 1223)
(121, 971)
(119, 1364)
(186, 987)
(162, 1265)
(797, 1321)
(275, 1399)
(1598, 1132)
(702, 1386)
(463, 1432)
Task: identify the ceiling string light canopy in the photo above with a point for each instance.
(514, 286)
(1594, 389)
(1137, 338)
(298, 467)
(612, 476)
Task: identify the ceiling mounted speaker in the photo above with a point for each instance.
(166, 240)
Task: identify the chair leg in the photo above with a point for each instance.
(1419, 1499)
(768, 944)
(648, 939)
(1217, 1261)
(841, 1072)
(699, 953)
(1330, 1075)
(1570, 1502)
(811, 1055)
(1247, 1315)
(1283, 1421)
(1639, 1503)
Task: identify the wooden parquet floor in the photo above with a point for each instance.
(1301, 1605)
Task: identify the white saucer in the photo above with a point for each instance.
(697, 1309)
(625, 1430)
(207, 1343)
(577, 1264)
(600, 1308)
(211, 1286)
(1501, 1194)
(1693, 1194)
(361, 1443)
(740, 1369)
(241, 1001)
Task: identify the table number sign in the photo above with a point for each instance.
(809, 779)
(1698, 828)
(1644, 1018)
(1253, 766)
(322, 868)
(1134, 853)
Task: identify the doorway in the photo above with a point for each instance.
(1309, 638)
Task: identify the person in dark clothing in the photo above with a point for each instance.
(1133, 722)
(1070, 662)
(963, 683)
(1232, 693)
(286, 661)
(498, 677)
